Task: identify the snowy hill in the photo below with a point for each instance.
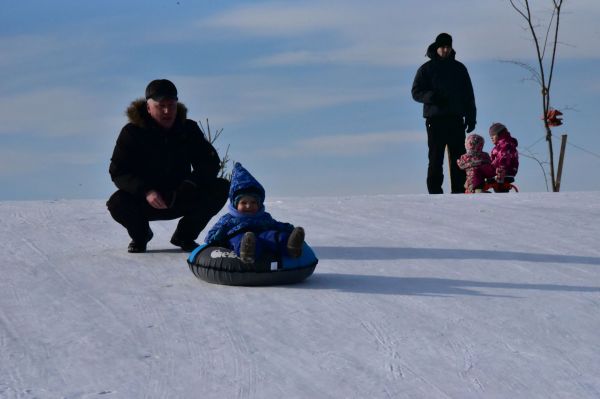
(480, 296)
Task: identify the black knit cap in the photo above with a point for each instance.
(443, 39)
(160, 89)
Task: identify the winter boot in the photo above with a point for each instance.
(185, 245)
(295, 241)
(248, 247)
(139, 246)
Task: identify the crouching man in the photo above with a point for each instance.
(164, 168)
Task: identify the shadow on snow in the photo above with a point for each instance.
(429, 286)
(426, 286)
(388, 253)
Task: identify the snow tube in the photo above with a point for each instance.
(220, 265)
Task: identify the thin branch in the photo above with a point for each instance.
(557, 11)
(541, 164)
(512, 3)
(548, 33)
(581, 148)
(535, 142)
(535, 75)
(223, 165)
(212, 138)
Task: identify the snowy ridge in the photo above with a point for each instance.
(414, 296)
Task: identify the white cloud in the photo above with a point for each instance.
(16, 50)
(360, 54)
(231, 99)
(23, 162)
(347, 144)
(50, 112)
(280, 18)
(16, 163)
(54, 50)
(397, 33)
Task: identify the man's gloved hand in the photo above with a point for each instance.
(469, 126)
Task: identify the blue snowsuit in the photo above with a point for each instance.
(271, 235)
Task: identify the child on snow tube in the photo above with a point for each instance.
(247, 229)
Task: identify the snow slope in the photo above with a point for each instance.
(416, 296)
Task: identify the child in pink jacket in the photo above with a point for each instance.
(504, 155)
(476, 163)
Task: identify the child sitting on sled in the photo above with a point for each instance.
(504, 155)
(476, 163)
(247, 228)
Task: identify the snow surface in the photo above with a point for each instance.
(415, 296)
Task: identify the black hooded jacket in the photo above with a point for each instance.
(444, 87)
(148, 157)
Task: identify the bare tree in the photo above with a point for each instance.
(543, 74)
(212, 138)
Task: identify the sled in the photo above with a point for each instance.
(504, 187)
(220, 265)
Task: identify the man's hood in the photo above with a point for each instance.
(432, 53)
(137, 113)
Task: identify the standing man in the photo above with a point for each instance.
(444, 87)
(164, 169)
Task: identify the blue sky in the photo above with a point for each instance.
(313, 97)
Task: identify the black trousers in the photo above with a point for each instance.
(445, 132)
(195, 210)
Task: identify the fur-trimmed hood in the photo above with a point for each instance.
(433, 55)
(137, 114)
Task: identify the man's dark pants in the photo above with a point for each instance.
(445, 132)
(195, 211)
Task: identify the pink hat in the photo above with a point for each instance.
(474, 142)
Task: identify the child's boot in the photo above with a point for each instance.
(295, 241)
(248, 247)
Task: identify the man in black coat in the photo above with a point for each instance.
(164, 168)
(444, 87)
